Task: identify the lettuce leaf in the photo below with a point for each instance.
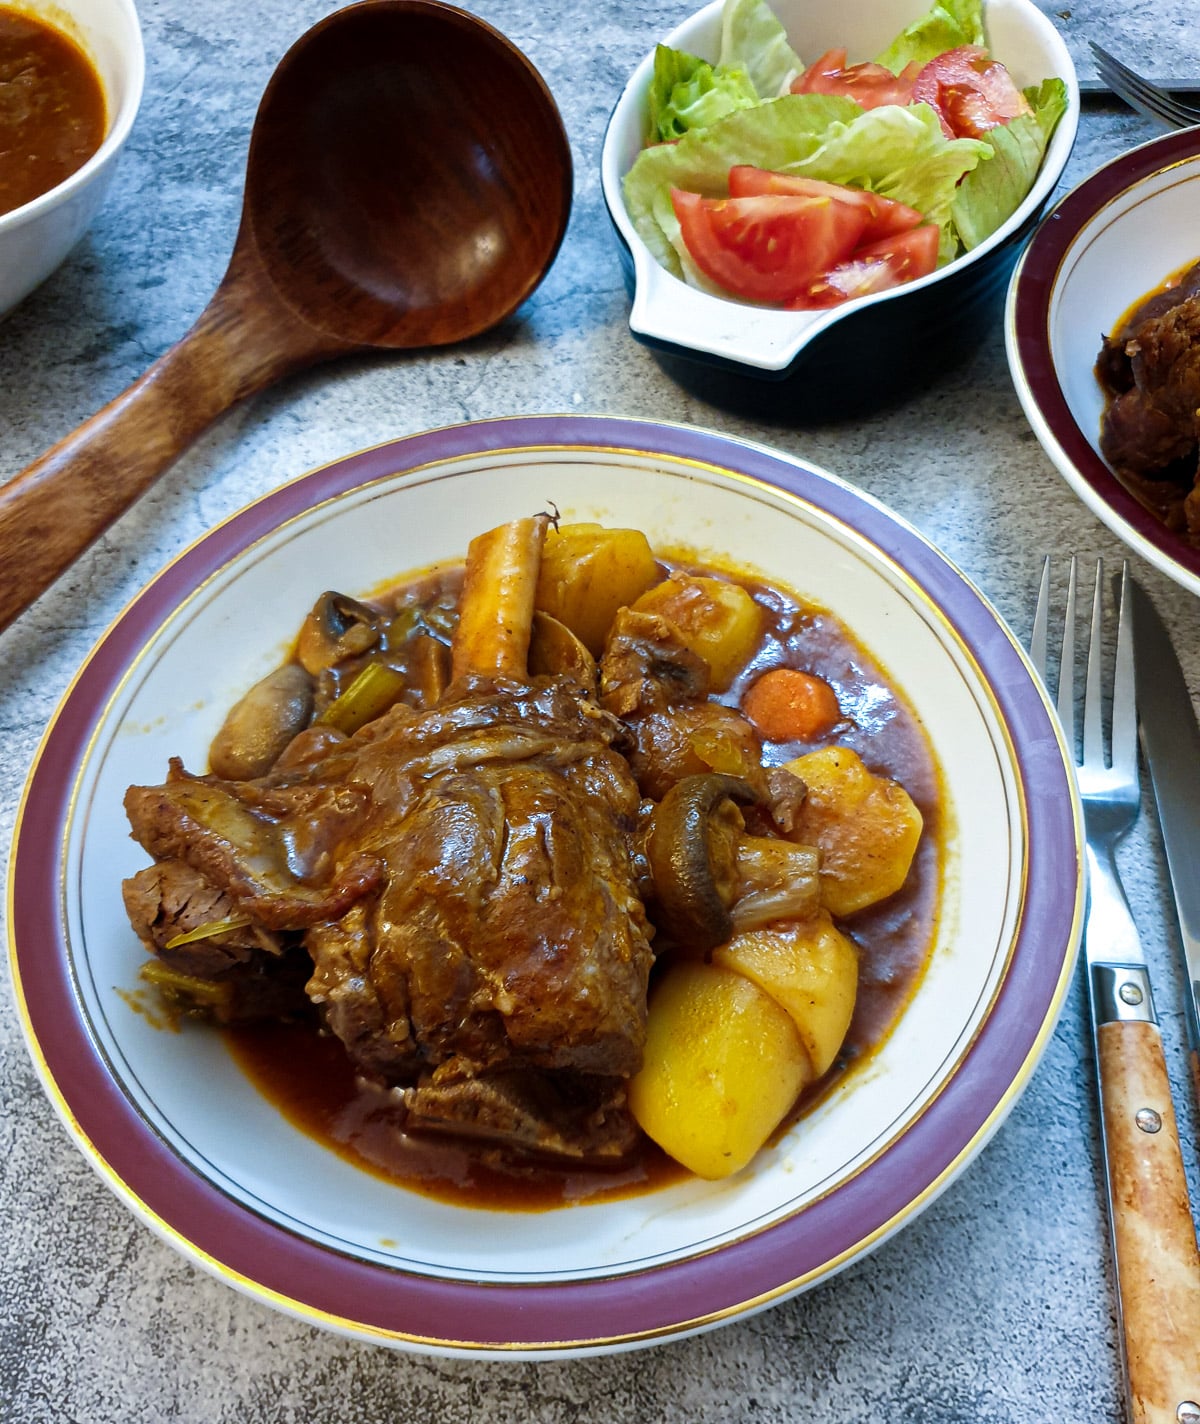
(774, 134)
(990, 194)
(899, 152)
(947, 25)
(688, 93)
(753, 40)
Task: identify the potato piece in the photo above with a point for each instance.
(723, 1064)
(718, 620)
(866, 826)
(588, 572)
(810, 969)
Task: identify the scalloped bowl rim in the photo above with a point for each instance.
(705, 326)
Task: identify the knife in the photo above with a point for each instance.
(1171, 743)
(1153, 1235)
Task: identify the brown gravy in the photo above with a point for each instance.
(307, 1075)
(52, 108)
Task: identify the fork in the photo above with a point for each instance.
(1153, 1237)
(1150, 99)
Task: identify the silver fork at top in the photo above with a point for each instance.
(1139, 93)
(1153, 1236)
(1108, 786)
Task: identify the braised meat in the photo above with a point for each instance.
(1114, 365)
(1150, 433)
(647, 665)
(559, 1115)
(464, 877)
(508, 927)
(240, 974)
(279, 852)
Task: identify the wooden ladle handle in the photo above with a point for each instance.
(51, 512)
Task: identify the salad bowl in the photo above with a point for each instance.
(227, 1179)
(874, 344)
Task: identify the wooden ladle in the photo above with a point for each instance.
(408, 185)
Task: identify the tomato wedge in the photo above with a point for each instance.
(874, 267)
(769, 248)
(869, 85)
(969, 91)
(884, 216)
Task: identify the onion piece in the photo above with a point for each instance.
(208, 930)
(778, 881)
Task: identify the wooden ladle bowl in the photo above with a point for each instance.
(408, 185)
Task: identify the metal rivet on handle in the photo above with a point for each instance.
(1149, 1121)
(1130, 993)
(1188, 1412)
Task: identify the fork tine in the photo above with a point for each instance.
(1041, 620)
(1140, 94)
(1124, 715)
(1127, 88)
(1166, 107)
(1154, 103)
(1117, 70)
(1093, 691)
(1129, 85)
(1066, 665)
(1174, 111)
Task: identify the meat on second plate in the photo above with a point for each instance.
(1149, 370)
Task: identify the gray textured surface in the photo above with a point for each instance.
(996, 1304)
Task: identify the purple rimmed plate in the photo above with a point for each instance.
(226, 1180)
(1113, 239)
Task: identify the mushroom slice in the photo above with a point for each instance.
(261, 725)
(337, 627)
(692, 852)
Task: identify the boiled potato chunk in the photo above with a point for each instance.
(723, 1064)
(866, 826)
(588, 572)
(719, 621)
(810, 969)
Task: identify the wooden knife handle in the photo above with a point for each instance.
(1154, 1240)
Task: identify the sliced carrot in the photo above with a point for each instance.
(788, 705)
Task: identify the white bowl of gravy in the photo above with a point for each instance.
(71, 80)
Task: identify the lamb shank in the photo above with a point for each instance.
(459, 880)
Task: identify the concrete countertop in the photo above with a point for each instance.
(996, 1304)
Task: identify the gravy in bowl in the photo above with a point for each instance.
(52, 108)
